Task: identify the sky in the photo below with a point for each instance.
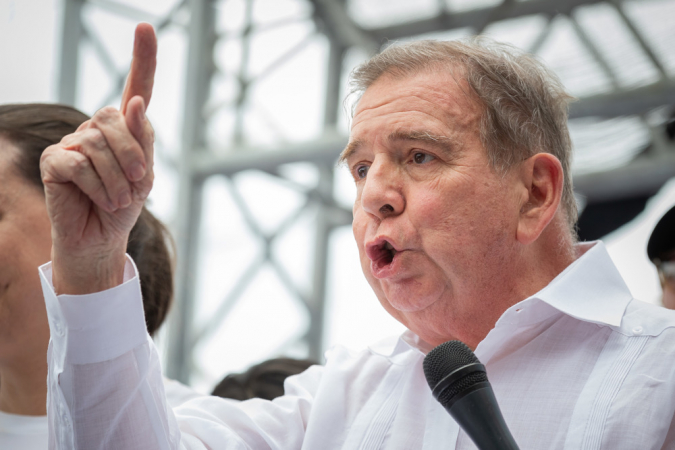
(29, 49)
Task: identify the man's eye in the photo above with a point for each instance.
(361, 171)
(421, 158)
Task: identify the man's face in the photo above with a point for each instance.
(434, 224)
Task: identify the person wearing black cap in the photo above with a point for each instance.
(661, 251)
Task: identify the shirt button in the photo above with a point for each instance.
(637, 330)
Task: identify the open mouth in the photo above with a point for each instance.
(382, 255)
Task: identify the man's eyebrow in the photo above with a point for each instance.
(446, 143)
(349, 150)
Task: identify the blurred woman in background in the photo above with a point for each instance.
(25, 243)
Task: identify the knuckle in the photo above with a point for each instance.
(44, 173)
(45, 161)
(47, 153)
(108, 111)
(79, 164)
(94, 138)
(104, 115)
(72, 140)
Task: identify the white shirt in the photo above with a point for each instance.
(177, 393)
(31, 432)
(579, 365)
(23, 432)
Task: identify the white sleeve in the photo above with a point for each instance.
(105, 388)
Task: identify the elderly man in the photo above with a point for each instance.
(464, 221)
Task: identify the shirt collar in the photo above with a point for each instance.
(393, 346)
(590, 289)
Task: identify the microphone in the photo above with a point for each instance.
(459, 382)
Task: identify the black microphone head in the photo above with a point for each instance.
(446, 359)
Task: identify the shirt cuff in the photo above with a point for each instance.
(95, 327)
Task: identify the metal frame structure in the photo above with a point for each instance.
(200, 160)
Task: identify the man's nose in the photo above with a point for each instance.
(382, 194)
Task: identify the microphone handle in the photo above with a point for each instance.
(478, 414)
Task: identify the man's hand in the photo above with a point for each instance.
(97, 179)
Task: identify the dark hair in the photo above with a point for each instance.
(661, 245)
(265, 380)
(148, 248)
(35, 126)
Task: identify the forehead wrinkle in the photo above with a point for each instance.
(460, 110)
(448, 102)
(406, 97)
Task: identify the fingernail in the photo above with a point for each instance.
(137, 171)
(125, 199)
(141, 114)
(111, 207)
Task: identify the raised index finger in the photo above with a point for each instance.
(142, 74)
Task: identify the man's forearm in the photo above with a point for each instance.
(105, 385)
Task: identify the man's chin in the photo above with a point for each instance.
(409, 297)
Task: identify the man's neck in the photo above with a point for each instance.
(526, 273)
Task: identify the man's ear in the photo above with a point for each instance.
(542, 176)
